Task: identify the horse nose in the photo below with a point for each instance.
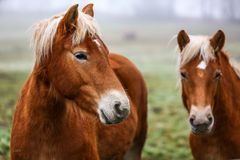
(113, 107)
(120, 109)
(201, 119)
(201, 124)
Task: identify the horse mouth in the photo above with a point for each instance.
(105, 117)
(199, 131)
(108, 120)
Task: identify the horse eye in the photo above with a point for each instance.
(217, 75)
(183, 75)
(81, 55)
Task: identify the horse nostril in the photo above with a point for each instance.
(191, 121)
(117, 107)
(210, 119)
(120, 110)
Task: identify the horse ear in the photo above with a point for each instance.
(88, 9)
(218, 40)
(70, 19)
(183, 39)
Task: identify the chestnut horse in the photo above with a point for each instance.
(75, 89)
(210, 85)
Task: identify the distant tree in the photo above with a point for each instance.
(230, 9)
(205, 9)
(151, 9)
(1, 3)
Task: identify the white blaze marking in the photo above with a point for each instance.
(96, 41)
(202, 65)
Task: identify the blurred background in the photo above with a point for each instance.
(139, 29)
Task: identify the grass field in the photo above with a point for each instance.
(167, 118)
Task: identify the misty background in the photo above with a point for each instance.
(141, 21)
(144, 9)
(142, 30)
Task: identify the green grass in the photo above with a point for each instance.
(10, 84)
(167, 132)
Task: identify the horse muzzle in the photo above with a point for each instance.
(201, 120)
(113, 107)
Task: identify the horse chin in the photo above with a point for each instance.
(201, 132)
(105, 118)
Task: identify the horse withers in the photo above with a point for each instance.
(210, 86)
(76, 89)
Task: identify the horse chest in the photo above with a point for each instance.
(202, 150)
(47, 152)
(113, 144)
(65, 148)
(214, 147)
(50, 142)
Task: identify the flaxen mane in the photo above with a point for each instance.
(44, 33)
(200, 46)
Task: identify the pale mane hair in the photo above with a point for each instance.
(45, 31)
(200, 46)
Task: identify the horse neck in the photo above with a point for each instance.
(41, 98)
(227, 103)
